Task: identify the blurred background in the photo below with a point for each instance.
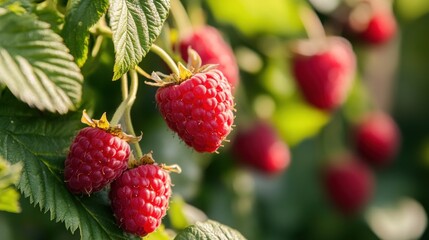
(292, 204)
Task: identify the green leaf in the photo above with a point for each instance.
(209, 230)
(256, 17)
(9, 175)
(15, 6)
(9, 200)
(81, 15)
(412, 9)
(35, 64)
(176, 213)
(135, 25)
(159, 234)
(297, 121)
(41, 143)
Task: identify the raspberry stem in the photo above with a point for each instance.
(94, 56)
(128, 122)
(166, 58)
(312, 24)
(143, 72)
(124, 109)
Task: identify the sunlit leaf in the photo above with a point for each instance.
(135, 25)
(35, 64)
(81, 15)
(209, 230)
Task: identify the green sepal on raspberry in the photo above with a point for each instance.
(196, 103)
(97, 156)
(140, 196)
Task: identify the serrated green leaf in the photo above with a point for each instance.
(35, 64)
(81, 15)
(41, 142)
(135, 25)
(209, 230)
(9, 197)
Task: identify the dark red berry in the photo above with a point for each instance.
(139, 198)
(324, 70)
(213, 49)
(349, 184)
(377, 139)
(95, 159)
(372, 22)
(261, 148)
(199, 109)
(381, 28)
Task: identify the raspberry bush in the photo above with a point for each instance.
(189, 119)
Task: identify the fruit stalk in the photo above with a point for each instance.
(124, 110)
(311, 22)
(166, 58)
(181, 18)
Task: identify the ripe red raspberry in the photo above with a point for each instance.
(261, 148)
(324, 70)
(95, 159)
(377, 139)
(212, 48)
(372, 22)
(349, 184)
(139, 198)
(199, 109)
(380, 28)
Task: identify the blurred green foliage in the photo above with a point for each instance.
(291, 205)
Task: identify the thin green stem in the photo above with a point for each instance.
(97, 46)
(124, 87)
(93, 58)
(101, 28)
(181, 18)
(312, 24)
(122, 107)
(143, 72)
(127, 117)
(166, 58)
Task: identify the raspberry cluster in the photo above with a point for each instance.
(99, 156)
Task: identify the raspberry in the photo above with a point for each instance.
(95, 159)
(212, 48)
(324, 70)
(199, 109)
(139, 198)
(372, 22)
(261, 148)
(377, 139)
(349, 184)
(380, 28)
